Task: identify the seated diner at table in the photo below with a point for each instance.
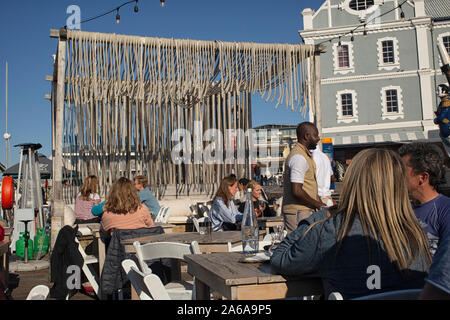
(86, 199)
(371, 243)
(224, 214)
(123, 209)
(260, 206)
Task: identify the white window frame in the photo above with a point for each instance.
(385, 115)
(351, 67)
(440, 39)
(388, 66)
(340, 117)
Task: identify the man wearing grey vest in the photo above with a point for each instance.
(300, 191)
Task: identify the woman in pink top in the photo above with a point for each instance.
(123, 209)
(86, 199)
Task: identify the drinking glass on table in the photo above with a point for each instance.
(277, 237)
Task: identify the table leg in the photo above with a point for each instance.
(202, 291)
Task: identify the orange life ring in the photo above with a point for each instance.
(7, 193)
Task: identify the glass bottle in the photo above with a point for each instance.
(249, 227)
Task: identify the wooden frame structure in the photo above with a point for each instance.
(117, 100)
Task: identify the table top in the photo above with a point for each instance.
(273, 218)
(221, 271)
(188, 237)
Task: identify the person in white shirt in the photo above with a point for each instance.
(324, 176)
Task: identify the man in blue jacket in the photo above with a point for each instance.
(146, 196)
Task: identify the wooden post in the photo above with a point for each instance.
(318, 91)
(58, 118)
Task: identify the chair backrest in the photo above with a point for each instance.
(163, 215)
(39, 292)
(147, 286)
(408, 294)
(197, 221)
(86, 270)
(159, 250)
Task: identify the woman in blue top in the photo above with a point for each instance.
(371, 243)
(223, 213)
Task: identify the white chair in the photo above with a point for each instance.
(177, 289)
(147, 286)
(39, 292)
(163, 215)
(408, 294)
(88, 260)
(238, 248)
(196, 222)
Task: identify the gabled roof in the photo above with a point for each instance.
(438, 9)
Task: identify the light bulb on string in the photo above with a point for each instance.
(352, 38)
(163, 3)
(364, 32)
(136, 9)
(117, 17)
(402, 14)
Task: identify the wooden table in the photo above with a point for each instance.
(216, 242)
(267, 222)
(4, 265)
(223, 273)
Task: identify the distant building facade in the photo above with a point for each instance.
(272, 144)
(378, 83)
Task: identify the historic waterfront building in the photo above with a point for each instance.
(381, 70)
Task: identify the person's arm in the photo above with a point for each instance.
(437, 284)
(296, 255)
(98, 209)
(298, 167)
(299, 193)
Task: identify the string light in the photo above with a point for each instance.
(117, 16)
(136, 9)
(352, 37)
(339, 43)
(402, 15)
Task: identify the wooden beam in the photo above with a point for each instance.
(48, 96)
(321, 48)
(48, 78)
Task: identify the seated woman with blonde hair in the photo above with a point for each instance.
(371, 243)
(86, 199)
(123, 209)
(260, 206)
(223, 213)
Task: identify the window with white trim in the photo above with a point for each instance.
(446, 42)
(391, 103)
(360, 4)
(388, 55)
(347, 109)
(343, 58)
(444, 39)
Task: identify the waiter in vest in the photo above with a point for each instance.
(300, 192)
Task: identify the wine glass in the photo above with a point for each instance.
(277, 237)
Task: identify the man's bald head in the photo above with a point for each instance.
(305, 128)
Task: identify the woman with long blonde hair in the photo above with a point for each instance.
(86, 199)
(223, 214)
(123, 209)
(371, 243)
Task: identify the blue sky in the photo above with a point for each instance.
(26, 45)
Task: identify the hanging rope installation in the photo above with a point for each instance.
(126, 95)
